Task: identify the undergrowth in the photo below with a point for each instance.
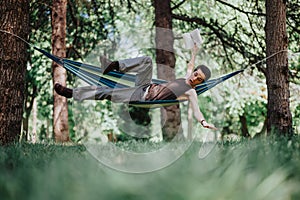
(263, 168)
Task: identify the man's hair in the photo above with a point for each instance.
(205, 70)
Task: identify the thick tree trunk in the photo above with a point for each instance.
(165, 60)
(279, 115)
(60, 107)
(13, 57)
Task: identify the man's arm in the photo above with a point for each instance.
(191, 64)
(192, 95)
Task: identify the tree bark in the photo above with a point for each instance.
(243, 120)
(165, 60)
(60, 107)
(13, 58)
(279, 115)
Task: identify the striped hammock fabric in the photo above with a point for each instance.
(93, 76)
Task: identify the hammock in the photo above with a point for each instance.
(93, 76)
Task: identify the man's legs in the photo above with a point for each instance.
(83, 93)
(121, 95)
(140, 65)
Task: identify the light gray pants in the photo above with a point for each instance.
(140, 65)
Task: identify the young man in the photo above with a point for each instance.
(145, 90)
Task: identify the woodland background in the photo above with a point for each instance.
(234, 38)
(258, 112)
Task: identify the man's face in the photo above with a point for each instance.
(196, 78)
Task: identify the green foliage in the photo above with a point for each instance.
(93, 118)
(85, 28)
(245, 95)
(296, 120)
(134, 121)
(256, 169)
(233, 36)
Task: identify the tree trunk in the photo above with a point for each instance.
(13, 57)
(243, 120)
(60, 107)
(29, 99)
(34, 121)
(279, 115)
(25, 128)
(190, 123)
(165, 60)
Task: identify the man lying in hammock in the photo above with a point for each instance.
(144, 90)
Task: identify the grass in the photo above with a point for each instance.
(249, 169)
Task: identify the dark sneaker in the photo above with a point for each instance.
(63, 91)
(108, 65)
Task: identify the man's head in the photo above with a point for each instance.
(205, 70)
(200, 74)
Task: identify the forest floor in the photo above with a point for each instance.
(263, 168)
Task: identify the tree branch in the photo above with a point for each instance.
(217, 30)
(240, 10)
(178, 5)
(254, 32)
(227, 41)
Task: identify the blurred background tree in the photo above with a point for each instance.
(59, 74)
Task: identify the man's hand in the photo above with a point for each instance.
(191, 63)
(195, 49)
(207, 125)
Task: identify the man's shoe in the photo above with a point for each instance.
(108, 65)
(63, 91)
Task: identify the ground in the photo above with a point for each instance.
(263, 168)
